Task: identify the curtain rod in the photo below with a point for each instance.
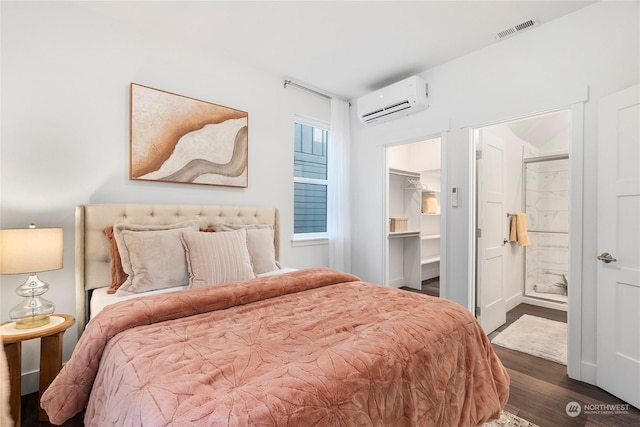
(289, 82)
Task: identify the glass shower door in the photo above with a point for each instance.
(547, 206)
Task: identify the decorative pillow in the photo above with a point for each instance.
(260, 245)
(215, 258)
(152, 256)
(118, 276)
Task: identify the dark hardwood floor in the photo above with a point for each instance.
(540, 389)
(429, 287)
(29, 414)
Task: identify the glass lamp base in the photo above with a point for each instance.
(33, 311)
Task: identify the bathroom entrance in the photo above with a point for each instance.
(522, 216)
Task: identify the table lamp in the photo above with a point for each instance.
(29, 251)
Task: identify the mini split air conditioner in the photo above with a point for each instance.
(403, 98)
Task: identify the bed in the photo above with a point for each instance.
(284, 347)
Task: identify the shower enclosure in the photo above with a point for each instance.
(546, 194)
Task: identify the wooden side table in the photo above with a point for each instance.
(50, 356)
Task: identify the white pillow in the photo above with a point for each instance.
(214, 258)
(152, 256)
(260, 244)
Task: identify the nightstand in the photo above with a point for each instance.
(50, 356)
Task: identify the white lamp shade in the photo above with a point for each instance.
(30, 250)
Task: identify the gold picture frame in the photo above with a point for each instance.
(175, 138)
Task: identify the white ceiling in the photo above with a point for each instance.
(343, 48)
(541, 129)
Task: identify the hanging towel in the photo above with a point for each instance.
(518, 231)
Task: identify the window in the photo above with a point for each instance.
(310, 180)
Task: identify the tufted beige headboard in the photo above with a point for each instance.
(93, 266)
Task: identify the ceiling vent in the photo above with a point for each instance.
(512, 31)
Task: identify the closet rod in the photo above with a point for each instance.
(290, 83)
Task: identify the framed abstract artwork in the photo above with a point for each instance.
(175, 138)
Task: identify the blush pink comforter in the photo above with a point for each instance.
(309, 348)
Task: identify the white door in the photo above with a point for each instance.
(491, 222)
(618, 284)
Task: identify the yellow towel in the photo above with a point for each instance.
(518, 231)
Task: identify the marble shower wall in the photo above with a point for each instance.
(547, 208)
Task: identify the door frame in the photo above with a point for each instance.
(575, 368)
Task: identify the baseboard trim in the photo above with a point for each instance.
(589, 373)
(513, 301)
(397, 283)
(544, 303)
(30, 382)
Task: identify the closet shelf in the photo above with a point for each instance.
(401, 234)
(430, 260)
(401, 172)
(413, 255)
(430, 236)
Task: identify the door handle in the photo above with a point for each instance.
(606, 258)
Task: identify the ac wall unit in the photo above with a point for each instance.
(403, 98)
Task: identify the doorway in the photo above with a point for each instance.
(522, 173)
(413, 215)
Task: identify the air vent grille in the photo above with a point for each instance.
(511, 31)
(390, 109)
(525, 25)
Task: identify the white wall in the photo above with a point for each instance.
(546, 68)
(65, 131)
(415, 157)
